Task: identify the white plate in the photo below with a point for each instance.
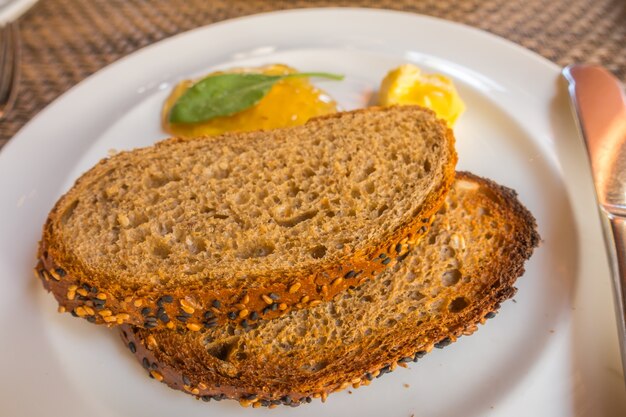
(552, 352)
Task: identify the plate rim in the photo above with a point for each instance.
(136, 55)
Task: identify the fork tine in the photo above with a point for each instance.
(9, 66)
(4, 52)
(16, 59)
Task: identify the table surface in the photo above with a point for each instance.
(65, 41)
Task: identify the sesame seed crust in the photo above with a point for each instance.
(146, 352)
(184, 308)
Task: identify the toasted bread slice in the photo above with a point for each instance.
(454, 279)
(192, 233)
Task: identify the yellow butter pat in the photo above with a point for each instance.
(407, 84)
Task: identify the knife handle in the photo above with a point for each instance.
(617, 254)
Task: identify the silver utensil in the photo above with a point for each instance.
(10, 51)
(599, 106)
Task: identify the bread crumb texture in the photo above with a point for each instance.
(226, 211)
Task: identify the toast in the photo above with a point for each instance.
(192, 233)
(454, 279)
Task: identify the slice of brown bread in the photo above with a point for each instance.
(454, 279)
(192, 233)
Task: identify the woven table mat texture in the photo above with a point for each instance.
(64, 41)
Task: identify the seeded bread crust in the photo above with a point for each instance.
(183, 362)
(89, 294)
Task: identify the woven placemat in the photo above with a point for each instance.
(65, 41)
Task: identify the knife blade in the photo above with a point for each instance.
(599, 107)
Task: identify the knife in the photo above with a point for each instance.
(599, 107)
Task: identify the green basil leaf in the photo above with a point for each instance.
(227, 94)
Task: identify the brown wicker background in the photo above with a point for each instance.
(65, 41)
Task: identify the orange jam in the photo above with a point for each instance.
(290, 102)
